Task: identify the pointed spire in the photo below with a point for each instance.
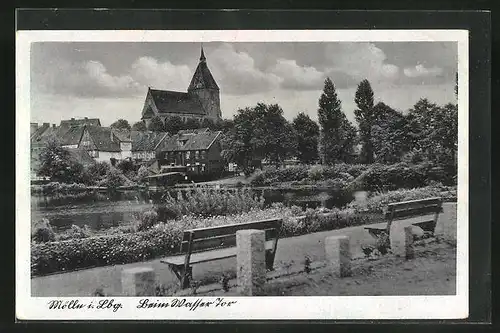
(202, 57)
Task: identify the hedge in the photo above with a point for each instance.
(164, 239)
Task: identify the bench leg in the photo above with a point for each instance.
(270, 260)
(184, 279)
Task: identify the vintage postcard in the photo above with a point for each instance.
(213, 175)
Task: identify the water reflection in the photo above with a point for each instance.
(103, 211)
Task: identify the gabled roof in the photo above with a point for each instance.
(175, 101)
(194, 131)
(71, 136)
(185, 142)
(202, 78)
(81, 156)
(102, 137)
(46, 131)
(80, 122)
(146, 140)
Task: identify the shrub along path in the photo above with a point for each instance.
(291, 250)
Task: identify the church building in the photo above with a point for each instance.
(202, 99)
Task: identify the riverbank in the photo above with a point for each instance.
(291, 250)
(151, 239)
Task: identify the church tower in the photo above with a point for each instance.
(204, 86)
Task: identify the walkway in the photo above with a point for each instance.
(290, 250)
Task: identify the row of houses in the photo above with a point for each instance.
(197, 150)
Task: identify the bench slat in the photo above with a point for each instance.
(419, 211)
(414, 203)
(232, 228)
(206, 256)
(220, 242)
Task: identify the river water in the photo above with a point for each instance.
(106, 212)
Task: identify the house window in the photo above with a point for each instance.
(197, 155)
(203, 154)
(188, 155)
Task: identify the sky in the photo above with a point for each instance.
(109, 80)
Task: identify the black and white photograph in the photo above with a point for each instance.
(217, 172)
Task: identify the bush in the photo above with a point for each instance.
(75, 232)
(142, 173)
(113, 179)
(54, 188)
(96, 172)
(147, 219)
(42, 232)
(273, 175)
(207, 202)
(389, 177)
(376, 202)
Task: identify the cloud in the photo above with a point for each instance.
(97, 74)
(361, 61)
(421, 71)
(91, 78)
(149, 72)
(298, 77)
(237, 73)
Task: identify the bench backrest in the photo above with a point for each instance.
(203, 239)
(406, 209)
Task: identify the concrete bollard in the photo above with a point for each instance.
(251, 261)
(338, 255)
(408, 242)
(138, 281)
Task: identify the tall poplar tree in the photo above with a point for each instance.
(337, 134)
(365, 117)
(307, 138)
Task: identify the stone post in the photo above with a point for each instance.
(408, 243)
(338, 255)
(139, 281)
(251, 261)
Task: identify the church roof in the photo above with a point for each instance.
(175, 101)
(202, 77)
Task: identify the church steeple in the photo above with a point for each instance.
(202, 57)
(205, 88)
(202, 78)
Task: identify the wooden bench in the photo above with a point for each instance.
(216, 243)
(409, 209)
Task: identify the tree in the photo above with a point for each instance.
(419, 120)
(121, 124)
(173, 124)
(388, 134)
(156, 125)
(259, 132)
(56, 163)
(142, 173)
(208, 123)
(224, 125)
(365, 118)
(307, 138)
(337, 134)
(433, 130)
(139, 126)
(191, 123)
